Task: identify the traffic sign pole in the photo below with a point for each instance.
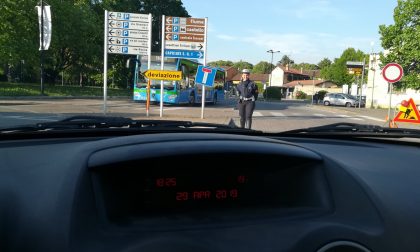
(162, 61)
(203, 98)
(392, 73)
(105, 60)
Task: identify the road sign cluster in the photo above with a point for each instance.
(184, 37)
(128, 33)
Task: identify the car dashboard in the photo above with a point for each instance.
(208, 192)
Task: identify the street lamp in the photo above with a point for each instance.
(271, 72)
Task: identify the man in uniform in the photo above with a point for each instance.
(248, 93)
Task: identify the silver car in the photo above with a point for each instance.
(340, 99)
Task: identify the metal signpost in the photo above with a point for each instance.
(392, 73)
(184, 38)
(205, 76)
(44, 18)
(128, 34)
(357, 68)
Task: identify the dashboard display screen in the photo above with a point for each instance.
(131, 190)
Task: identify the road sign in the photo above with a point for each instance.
(128, 42)
(128, 16)
(187, 54)
(120, 49)
(183, 45)
(408, 113)
(184, 34)
(392, 72)
(163, 75)
(205, 75)
(128, 33)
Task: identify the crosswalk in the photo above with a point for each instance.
(295, 115)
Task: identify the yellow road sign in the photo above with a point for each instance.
(163, 75)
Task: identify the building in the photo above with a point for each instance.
(310, 87)
(378, 89)
(282, 75)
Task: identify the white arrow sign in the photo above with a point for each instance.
(128, 33)
(128, 16)
(170, 44)
(127, 50)
(127, 41)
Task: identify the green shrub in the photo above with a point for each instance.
(273, 93)
(321, 94)
(301, 95)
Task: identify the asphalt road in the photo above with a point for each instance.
(268, 116)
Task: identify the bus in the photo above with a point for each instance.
(185, 91)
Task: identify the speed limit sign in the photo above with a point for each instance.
(392, 72)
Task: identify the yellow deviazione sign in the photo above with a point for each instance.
(163, 75)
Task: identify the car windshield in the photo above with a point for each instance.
(266, 65)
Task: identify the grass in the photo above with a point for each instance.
(22, 89)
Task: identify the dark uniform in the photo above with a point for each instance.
(248, 93)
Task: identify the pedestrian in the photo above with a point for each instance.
(248, 94)
(316, 98)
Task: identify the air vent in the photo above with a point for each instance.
(343, 246)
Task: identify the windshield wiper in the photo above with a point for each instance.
(111, 122)
(359, 129)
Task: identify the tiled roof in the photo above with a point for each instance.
(253, 77)
(304, 83)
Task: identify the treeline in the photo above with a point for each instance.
(76, 52)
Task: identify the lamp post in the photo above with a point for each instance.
(373, 68)
(271, 72)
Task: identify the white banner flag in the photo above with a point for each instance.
(46, 28)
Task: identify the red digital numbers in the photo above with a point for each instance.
(242, 179)
(166, 182)
(221, 194)
(182, 196)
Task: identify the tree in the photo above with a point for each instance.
(243, 65)
(285, 60)
(402, 41)
(325, 62)
(337, 71)
(263, 67)
(305, 66)
(220, 63)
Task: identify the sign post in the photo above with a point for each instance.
(127, 34)
(392, 73)
(184, 38)
(205, 76)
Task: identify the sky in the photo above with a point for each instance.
(305, 30)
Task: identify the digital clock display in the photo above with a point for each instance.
(128, 190)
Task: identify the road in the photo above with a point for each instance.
(268, 116)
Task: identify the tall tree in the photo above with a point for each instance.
(325, 62)
(220, 63)
(337, 71)
(285, 60)
(263, 67)
(402, 39)
(243, 65)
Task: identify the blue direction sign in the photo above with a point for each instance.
(205, 75)
(173, 53)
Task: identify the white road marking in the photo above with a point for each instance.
(257, 113)
(373, 118)
(356, 119)
(277, 114)
(319, 115)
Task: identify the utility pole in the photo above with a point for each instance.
(271, 72)
(42, 48)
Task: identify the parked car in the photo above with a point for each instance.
(341, 99)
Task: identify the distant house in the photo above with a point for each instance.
(230, 72)
(261, 78)
(310, 87)
(283, 74)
